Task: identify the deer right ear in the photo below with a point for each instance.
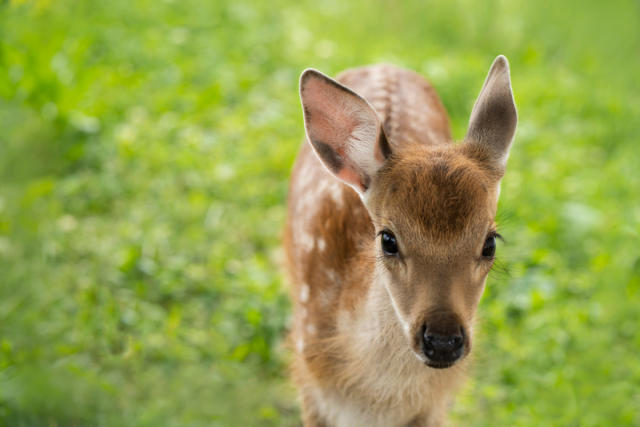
(494, 116)
(343, 130)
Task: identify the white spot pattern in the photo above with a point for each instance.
(304, 293)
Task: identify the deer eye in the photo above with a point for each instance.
(489, 248)
(388, 243)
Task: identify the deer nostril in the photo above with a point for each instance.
(456, 341)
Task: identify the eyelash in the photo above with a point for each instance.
(496, 235)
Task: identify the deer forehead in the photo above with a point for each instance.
(440, 196)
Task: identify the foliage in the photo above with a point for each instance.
(144, 155)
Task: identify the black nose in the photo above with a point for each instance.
(442, 349)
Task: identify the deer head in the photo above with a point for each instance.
(433, 207)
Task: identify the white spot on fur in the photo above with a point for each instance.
(305, 179)
(335, 190)
(306, 241)
(313, 189)
(304, 293)
(311, 329)
(300, 345)
(333, 276)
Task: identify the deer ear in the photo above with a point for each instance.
(494, 117)
(343, 130)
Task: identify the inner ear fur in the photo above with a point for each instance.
(343, 129)
(494, 117)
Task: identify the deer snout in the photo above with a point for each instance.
(442, 346)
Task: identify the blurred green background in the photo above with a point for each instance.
(145, 148)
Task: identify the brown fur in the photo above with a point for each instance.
(355, 351)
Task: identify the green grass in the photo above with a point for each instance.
(145, 149)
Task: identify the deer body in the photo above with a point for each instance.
(385, 218)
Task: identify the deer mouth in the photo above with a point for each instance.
(440, 365)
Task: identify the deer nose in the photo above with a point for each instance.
(442, 349)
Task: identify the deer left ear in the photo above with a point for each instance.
(343, 130)
(494, 117)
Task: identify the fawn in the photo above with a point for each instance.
(388, 269)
